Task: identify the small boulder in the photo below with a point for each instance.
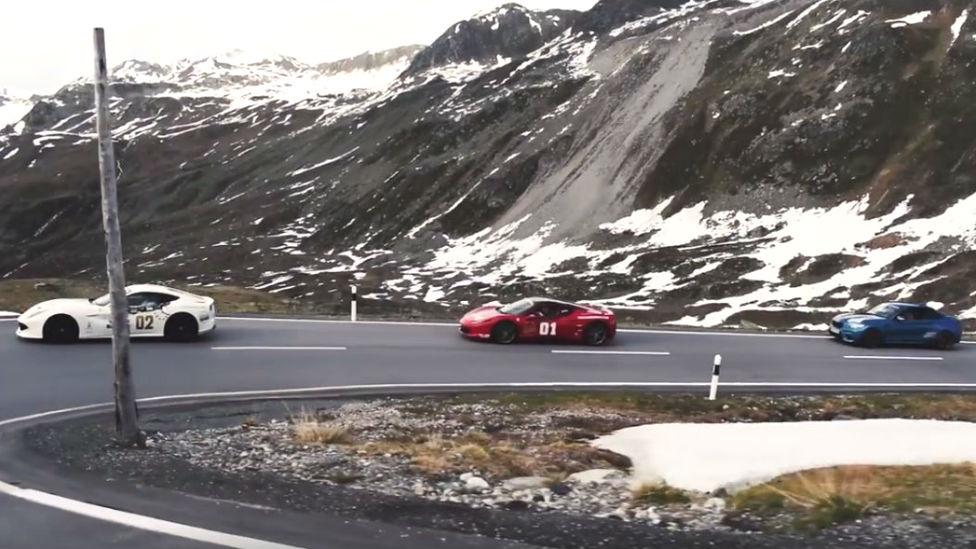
(714, 504)
(515, 505)
(595, 476)
(560, 489)
(525, 483)
(475, 485)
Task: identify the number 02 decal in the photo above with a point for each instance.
(144, 322)
(547, 329)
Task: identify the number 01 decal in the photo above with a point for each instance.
(547, 329)
(144, 322)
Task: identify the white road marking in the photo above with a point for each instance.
(885, 357)
(329, 321)
(723, 334)
(229, 540)
(580, 352)
(139, 522)
(278, 348)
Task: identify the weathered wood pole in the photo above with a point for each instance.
(126, 415)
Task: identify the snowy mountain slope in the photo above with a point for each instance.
(705, 162)
(12, 108)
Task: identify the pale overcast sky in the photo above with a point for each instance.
(48, 42)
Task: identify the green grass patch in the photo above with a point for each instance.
(660, 494)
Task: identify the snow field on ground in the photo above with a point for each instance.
(706, 457)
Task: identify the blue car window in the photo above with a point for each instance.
(886, 311)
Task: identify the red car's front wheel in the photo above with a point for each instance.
(504, 333)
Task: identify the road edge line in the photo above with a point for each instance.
(138, 522)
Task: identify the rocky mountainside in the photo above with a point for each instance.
(707, 162)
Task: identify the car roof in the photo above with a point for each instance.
(538, 299)
(907, 305)
(154, 288)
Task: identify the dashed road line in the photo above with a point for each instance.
(270, 348)
(337, 321)
(582, 352)
(887, 357)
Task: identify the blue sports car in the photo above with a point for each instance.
(899, 323)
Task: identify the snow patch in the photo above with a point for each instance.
(956, 27)
(912, 19)
(706, 457)
(765, 25)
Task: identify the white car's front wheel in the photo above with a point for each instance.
(61, 329)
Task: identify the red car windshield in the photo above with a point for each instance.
(517, 308)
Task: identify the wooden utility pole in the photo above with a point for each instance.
(126, 420)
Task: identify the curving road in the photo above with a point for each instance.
(261, 354)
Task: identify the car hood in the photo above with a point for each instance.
(63, 305)
(481, 314)
(855, 316)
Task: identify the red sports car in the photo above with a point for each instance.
(540, 319)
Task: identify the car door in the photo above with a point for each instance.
(928, 321)
(565, 323)
(531, 326)
(906, 327)
(145, 315)
(549, 321)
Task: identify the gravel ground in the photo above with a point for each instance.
(575, 496)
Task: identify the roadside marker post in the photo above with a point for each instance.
(352, 305)
(716, 367)
(126, 413)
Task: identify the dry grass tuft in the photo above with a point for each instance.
(310, 429)
(842, 494)
(494, 457)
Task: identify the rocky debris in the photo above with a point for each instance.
(250, 455)
(595, 476)
(525, 483)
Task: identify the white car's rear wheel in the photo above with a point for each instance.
(181, 327)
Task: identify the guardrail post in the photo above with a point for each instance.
(716, 366)
(352, 305)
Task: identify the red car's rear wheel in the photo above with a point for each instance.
(595, 334)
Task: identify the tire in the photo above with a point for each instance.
(872, 339)
(504, 333)
(61, 329)
(181, 327)
(595, 334)
(945, 341)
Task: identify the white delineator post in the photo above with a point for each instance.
(352, 305)
(716, 366)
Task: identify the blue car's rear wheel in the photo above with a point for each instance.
(872, 339)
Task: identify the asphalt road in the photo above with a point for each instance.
(256, 354)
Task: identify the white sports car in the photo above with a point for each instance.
(154, 311)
